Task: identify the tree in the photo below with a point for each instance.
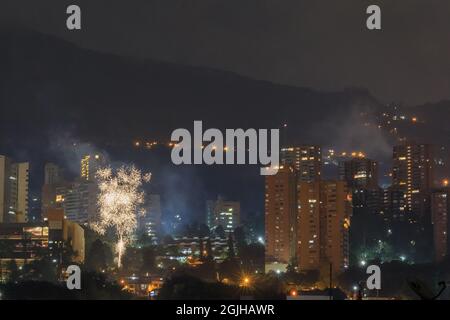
(168, 239)
(96, 259)
(41, 270)
(14, 273)
(231, 253)
(132, 260)
(239, 236)
(292, 266)
(201, 249)
(209, 250)
(188, 287)
(203, 231)
(148, 259)
(144, 240)
(252, 257)
(219, 231)
(269, 286)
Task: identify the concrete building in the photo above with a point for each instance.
(359, 173)
(79, 201)
(393, 206)
(280, 217)
(27, 242)
(223, 212)
(52, 174)
(307, 160)
(150, 223)
(53, 180)
(440, 209)
(89, 165)
(413, 174)
(324, 212)
(63, 231)
(361, 176)
(13, 191)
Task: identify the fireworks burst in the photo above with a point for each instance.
(120, 201)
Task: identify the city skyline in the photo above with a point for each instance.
(219, 150)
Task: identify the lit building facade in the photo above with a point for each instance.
(440, 209)
(223, 212)
(413, 174)
(64, 232)
(27, 242)
(150, 222)
(359, 173)
(280, 217)
(89, 165)
(361, 176)
(324, 212)
(79, 201)
(307, 160)
(13, 190)
(52, 181)
(393, 206)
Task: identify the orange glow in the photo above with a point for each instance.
(245, 281)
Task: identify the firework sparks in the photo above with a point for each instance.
(119, 201)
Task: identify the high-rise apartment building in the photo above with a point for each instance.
(359, 173)
(393, 204)
(307, 160)
(413, 174)
(79, 201)
(361, 176)
(440, 210)
(280, 216)
(53, 179)
(13, 190)
(52, 174)
(324, 212)
(223, 212)
(150, 222)
(89, 165)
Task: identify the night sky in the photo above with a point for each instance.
(319, 44)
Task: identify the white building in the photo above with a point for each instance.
(224, 213)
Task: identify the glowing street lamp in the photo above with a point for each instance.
(245, 282)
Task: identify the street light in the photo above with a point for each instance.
(245, 281)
